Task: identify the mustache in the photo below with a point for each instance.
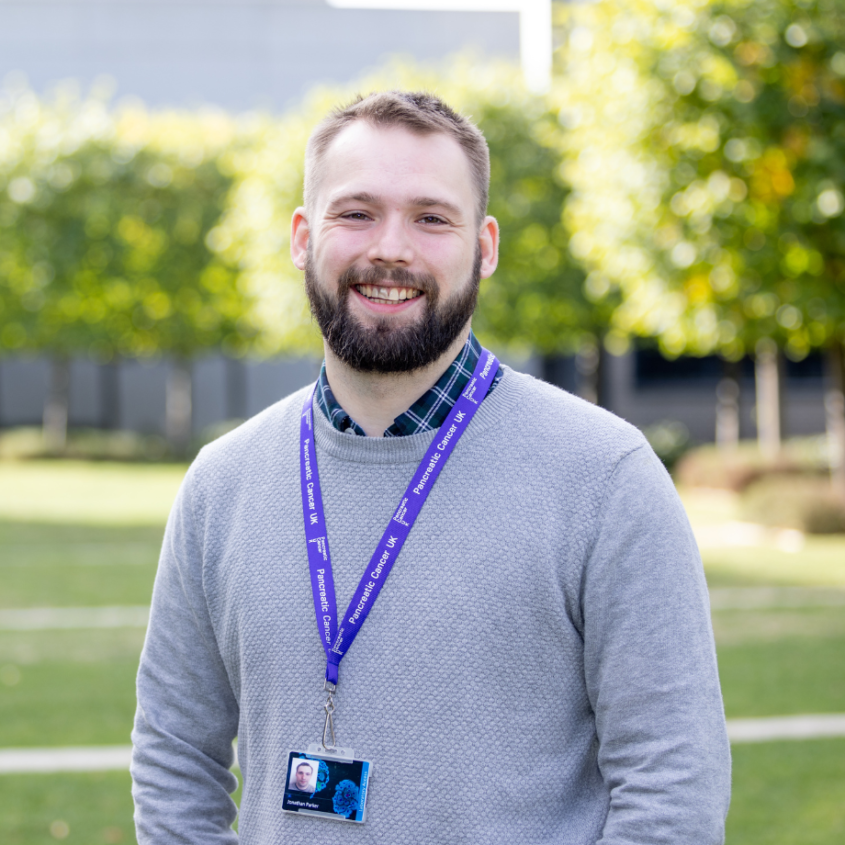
(353, 276)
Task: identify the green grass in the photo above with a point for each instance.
(68, 687)
(95, 807)
(781, 662)
(820, 563)
(90, 809)
(48, 565)
(80, 493)
(788, 793)
(75, 534)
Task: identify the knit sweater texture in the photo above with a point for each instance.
(539, 667)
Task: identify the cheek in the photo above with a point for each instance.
(340, 245)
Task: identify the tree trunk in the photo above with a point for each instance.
(592, 372)
(834, 406)
(767, 376)
(727, 408)
(56, 406)
(235, 389)
(178, 413)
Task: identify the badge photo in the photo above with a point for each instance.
(326, 786)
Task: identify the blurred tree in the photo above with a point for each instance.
(707, 150)
(536, 302)
(104, 223)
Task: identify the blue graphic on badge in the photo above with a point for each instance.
(322, 776)
(345, 800)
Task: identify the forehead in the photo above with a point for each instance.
(394, 163)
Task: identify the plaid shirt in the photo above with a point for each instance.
(428, 412)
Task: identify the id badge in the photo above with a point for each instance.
(328, 785)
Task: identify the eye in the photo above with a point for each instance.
(355, 215)
(432, 219)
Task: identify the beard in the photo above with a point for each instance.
(384, 347)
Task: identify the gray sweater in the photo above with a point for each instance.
(538, 668)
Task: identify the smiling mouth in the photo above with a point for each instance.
(379, 293)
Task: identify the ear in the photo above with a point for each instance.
(488, 240)
(299, 231)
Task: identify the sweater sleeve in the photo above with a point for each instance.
(650, 666)
(187, 715)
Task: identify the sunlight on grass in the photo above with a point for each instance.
(812, 561)
(87, 493)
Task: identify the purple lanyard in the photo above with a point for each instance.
(337, 640)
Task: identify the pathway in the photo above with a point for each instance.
(116, 757)
(721, 598)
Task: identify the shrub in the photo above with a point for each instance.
(670, 440)
(735, 469)
(807, 503)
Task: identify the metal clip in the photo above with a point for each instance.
(329, 707)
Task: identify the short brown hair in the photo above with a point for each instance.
(419, 112)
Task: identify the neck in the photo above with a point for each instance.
(374, 400)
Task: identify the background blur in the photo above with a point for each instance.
(669, 182)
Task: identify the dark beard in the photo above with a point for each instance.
(384, 348)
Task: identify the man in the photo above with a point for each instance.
(548, 604)
(301, 779)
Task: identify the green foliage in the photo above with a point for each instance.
(707, 155)
(105, 219)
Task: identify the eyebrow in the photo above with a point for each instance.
(418, 202)
(428, 202)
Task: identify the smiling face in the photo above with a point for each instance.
(392, 248)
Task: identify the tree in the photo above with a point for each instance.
(706, 143)
(105, 222)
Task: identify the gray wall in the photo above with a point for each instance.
(131, 395)
(226, 390)
(238, 54)
(694, 404)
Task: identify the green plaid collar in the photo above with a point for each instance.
(428, 412)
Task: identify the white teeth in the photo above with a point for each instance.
(385, 294)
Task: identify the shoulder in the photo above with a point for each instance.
(561, 425)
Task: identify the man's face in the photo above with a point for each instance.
(303, 775)
(392, 249)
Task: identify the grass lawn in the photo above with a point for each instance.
(788, 793)
(68, 687)
(77, 534)
(87, 493)
(782, 662)
(92, 808)
(89, 809)
(49, 565)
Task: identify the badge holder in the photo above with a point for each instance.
(327, 781)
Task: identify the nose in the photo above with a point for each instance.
(392, 245)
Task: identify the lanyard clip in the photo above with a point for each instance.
(329, 707)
